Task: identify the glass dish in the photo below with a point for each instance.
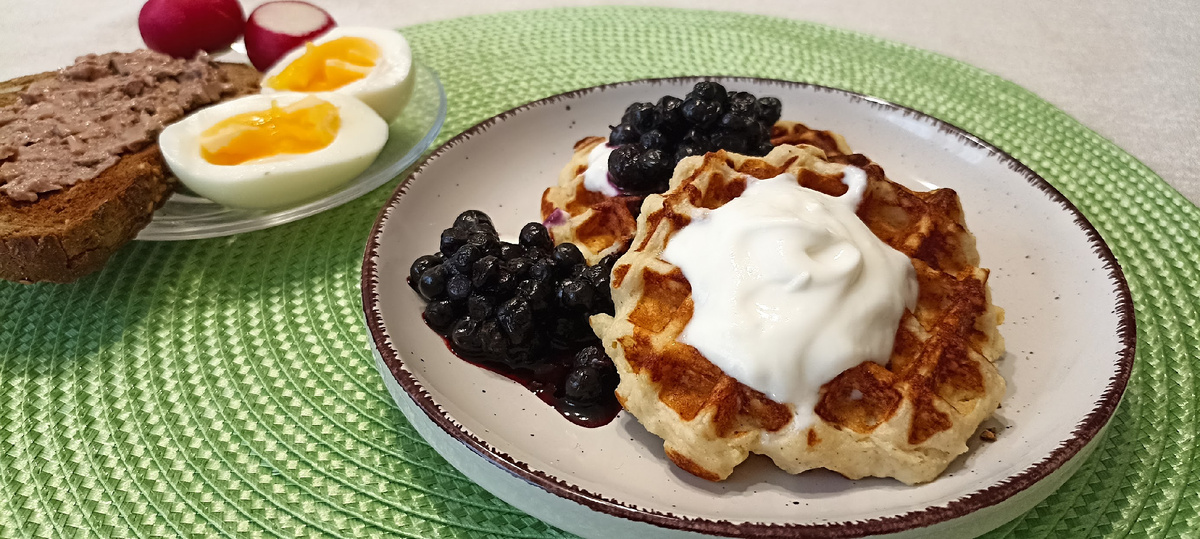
(187, 216)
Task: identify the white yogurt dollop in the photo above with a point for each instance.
(791, 288)
(595, 178)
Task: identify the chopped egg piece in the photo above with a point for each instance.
(372, 64)
(302, 127)
(328, 66)
(273, 151)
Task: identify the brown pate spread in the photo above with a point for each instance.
(73, 126)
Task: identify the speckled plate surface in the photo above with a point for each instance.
(1069, 331)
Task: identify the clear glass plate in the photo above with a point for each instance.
(187, 216)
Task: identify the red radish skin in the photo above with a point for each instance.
(181, 28)
(275, 28)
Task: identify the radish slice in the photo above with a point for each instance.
(275, 28)
(181, 28)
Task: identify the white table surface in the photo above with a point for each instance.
(1128, 70)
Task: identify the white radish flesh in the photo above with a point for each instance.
(275, 28)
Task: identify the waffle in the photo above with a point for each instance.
(602, 225)
(907, 419)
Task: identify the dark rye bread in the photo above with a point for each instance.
(67, 234)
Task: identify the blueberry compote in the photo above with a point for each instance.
(521, 310)
(653, 137)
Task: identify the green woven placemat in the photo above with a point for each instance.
(225, 387)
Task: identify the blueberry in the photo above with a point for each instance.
(566, 255)
(439, 314)
(769, 110)
(656, 166)
(733, 121)
(519, 266)
(509, 251)
(479, 307)
(465, 334)
(516, 319)
(584, 386)
(492, 340)
(697, 135)
(624, 168)
(595, 358)
(731, 142)
(743, 103)
(486, 240)
(641, 116)
(536, 235)
(763, 148)
(710, 91)
(504, 286)
(598, 276)
(688, 149)
(419, 266)
(432, 283)
(608, 262)
(622, 134)
(485, 272)
(538, 253)
(472, 220)
(536, 293)
(577, 271)
(452, 239)
(568, 331)
(542, 270)
(460, 262)
(655, 139)
(670, 115)
(759, 131)
(575, 294)
(458, 287)
(701, 112)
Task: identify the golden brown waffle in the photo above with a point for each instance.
(798, 134)
(907, 419)
(602, 225)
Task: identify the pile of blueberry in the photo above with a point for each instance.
(652, 138)
(518, 305)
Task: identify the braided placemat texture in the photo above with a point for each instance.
(225, 387)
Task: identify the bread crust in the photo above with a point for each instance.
(67, 234)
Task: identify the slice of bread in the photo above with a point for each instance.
(67, 234)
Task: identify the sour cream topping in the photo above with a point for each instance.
(790, 288)
(595, 178)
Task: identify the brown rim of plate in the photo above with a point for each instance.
(1084, 432)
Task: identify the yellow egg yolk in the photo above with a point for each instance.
(328, 66)
(302, 127)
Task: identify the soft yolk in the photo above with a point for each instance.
(328, 66)
(302, 127)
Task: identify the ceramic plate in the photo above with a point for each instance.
(187, 216)
(1069, 329)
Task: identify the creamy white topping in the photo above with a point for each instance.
(595, 178)
(791, 288)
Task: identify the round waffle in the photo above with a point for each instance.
(601, 225)
(907, 419)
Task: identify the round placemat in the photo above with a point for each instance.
(225, 387)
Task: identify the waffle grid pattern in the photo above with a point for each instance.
(225, 387)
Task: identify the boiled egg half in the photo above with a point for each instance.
(371, 64)
(270, 151)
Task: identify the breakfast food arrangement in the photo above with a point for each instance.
(90, 152)
(754, 285)
(600, 272)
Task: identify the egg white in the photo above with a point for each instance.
(279, 180)
(387, 88)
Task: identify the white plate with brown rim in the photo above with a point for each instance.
(1069, 331)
